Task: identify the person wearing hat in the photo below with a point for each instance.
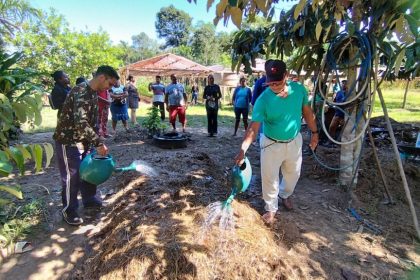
(279, 108)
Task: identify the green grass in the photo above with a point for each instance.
(196, 115)
(17, 222)
(394, 99)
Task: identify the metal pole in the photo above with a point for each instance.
(400, 166)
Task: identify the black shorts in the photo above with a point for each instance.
(241, 111)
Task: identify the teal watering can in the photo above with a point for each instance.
(97, 169)
(241, 177)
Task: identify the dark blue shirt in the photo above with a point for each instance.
(259, 87)
(340, 98)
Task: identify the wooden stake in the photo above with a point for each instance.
(378, 163)
(405, 94)
(400, 166)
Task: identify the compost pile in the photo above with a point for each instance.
(154, 230)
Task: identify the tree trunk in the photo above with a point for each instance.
(349, 153)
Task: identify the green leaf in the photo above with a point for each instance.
(17, 156)
(3, 156)
(3, 202)
(5, 168)
(298, 9)
(412, 24)
(398, 61)
(14, 190)
(49, 152)
(37, 155)
(318, 30)
(26, 154)
(20, 111)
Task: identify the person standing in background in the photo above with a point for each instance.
(241, 99)
(212, 94)
(194, 94)
(176, 102)
(158, 96)
(119, 109)
(60, 91)
(104, 102)
(133, 98)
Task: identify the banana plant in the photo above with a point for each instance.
(20, 102)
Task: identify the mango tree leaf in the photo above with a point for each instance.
(209, 4)
(299, 7)
(17, 156)
(4, 156)
(26, 154)
(236, 14)
(5, 168)
(233, 3)
(37, 156)
(220, 8)
(318, 30)
(38, 118)
(412, 24)
(49, 152)
(398, 61)
(14, 190)
(20, 111)
(261, 5)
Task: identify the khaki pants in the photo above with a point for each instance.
(288, 157)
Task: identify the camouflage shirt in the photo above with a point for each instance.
(79, 116)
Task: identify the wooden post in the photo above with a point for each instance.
(405, 93)
(378, 163)
(400, 166)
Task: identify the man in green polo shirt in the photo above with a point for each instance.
(280, 108)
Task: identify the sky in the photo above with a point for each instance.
(122, 19)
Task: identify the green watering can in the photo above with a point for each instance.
(97, 169)
(241, 177)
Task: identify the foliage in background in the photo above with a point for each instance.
(204, 45)
(142, 47)
(12, 14)
(173, 25)
(49, 45)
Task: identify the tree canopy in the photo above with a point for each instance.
(173, 25)
(49, 45)
(308, 25)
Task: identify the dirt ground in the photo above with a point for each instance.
(150, 228)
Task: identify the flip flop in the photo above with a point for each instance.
(23, 246)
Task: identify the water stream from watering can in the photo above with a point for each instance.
(143, 167)
(222, 212)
